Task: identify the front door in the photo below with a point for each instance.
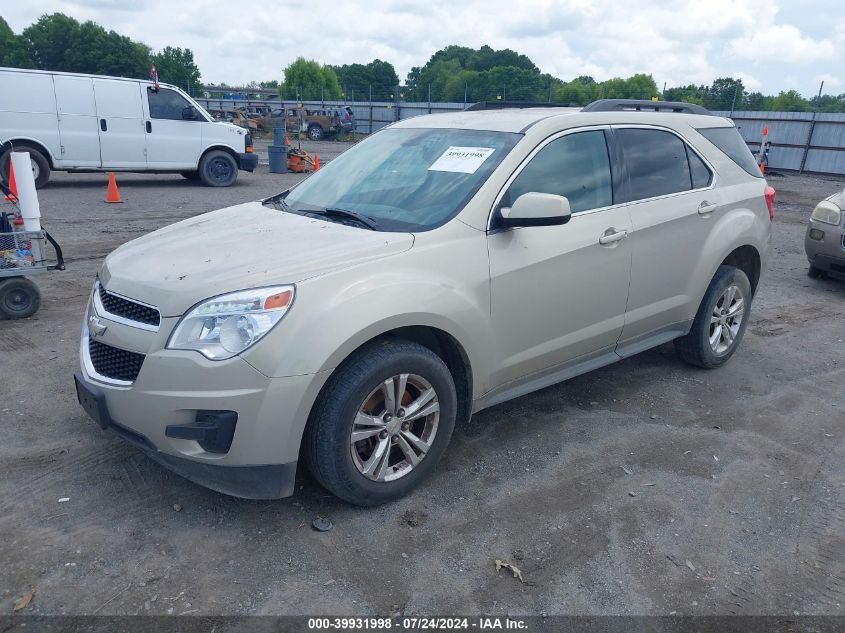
(559, 292)
(172, 141)
(121, 123)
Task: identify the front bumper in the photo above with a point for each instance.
(828, 253)
(264, 481)
(247, 161)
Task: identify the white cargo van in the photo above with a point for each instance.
(74, 122)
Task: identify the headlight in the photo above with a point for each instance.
(224, 326)
(827, 212)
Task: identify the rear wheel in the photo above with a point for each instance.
(40, 165)
(720, 322)
(19, 298)
(218, 169)
(315, 132)
(382, 423)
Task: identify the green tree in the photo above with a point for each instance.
(724, 93)
(308, 79)
(58, 42)
(789, 101)
(13, 51)
(176, 66)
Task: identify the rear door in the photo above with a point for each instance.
(79, 128)
(121, 124)
(172, 141)
(673, 207)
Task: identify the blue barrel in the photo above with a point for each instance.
(278, 159)
(279, 135)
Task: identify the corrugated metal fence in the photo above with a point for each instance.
(800, 141)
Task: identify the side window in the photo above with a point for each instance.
(166, 104)
(656, 161)
(699, 173)
(575, 166)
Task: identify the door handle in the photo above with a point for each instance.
(103, 125)
(707, 207)
(149, 127)
(611, 236)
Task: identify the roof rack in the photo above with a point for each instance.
(643, 105)
(500, 105)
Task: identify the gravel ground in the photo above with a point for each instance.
(646, 487)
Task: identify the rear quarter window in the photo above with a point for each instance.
(728, 140)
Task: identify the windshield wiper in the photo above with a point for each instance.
(278, 201)
(347, 214)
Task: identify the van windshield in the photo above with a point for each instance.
(406, 179)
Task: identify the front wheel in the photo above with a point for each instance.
(382, 423)
(720, 322)
(218, 169)
(19, 298)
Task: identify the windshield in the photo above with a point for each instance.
(406, 179)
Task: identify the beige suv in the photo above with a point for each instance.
(445, 264)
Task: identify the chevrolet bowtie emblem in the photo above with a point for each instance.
(95, 327)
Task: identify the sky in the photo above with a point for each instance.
(772, 45)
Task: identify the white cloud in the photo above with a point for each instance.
(688, 41)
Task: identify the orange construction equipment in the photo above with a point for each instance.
(316, 163)
(112, 194)
(12, 197)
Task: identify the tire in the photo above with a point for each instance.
(714, 319)
(358, 391)
(19, 298)
(816, 273)
(315, 132)
(190, 175)
(218, 169)
(40, 165)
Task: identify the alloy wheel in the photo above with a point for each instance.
(395, 427)
(726, 319)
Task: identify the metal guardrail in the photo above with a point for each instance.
(800, 141)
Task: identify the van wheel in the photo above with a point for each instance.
(40, 165)
(382, 423)
(720, 322)
(315, 132)
(19, 298)
(218, 169)
(190, 175)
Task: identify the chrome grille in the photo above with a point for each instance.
(128, 309)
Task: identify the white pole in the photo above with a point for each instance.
(27, 196)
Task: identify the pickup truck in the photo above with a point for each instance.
(317, 124)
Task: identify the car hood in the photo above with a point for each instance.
(838, 199)
(246, 246)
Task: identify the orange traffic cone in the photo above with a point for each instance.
(112, 194)
(12, 197)
(316, 162)
(287, 142)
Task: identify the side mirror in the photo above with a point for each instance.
(189, 113)
(537, 209)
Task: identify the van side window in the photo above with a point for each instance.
(576, 166)
(166, 104)
(657, 163)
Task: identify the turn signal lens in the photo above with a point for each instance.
(278, 300)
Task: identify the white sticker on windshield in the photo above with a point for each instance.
(465, 160)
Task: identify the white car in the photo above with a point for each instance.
(74, 122)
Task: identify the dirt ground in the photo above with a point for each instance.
(646, 487)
